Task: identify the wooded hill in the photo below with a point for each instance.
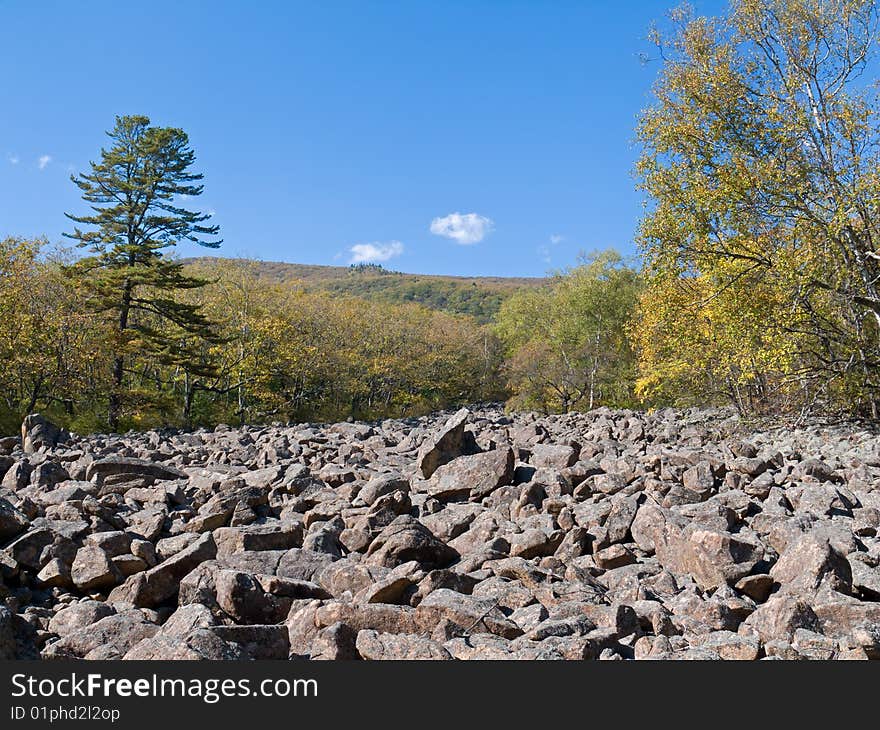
(479, 297)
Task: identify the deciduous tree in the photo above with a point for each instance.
(760, 158)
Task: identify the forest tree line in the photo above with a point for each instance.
(757, 284)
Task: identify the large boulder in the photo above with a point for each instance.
(444, 445)
(408, 539)
(781, 616)
(473, 615)
(374, 645)
(79, 615)
(93, 570)
(811, 561)
(37, 432)
(161, 583)
(114, 465)
(13, 521)
(197, 645)
(109, 638)
(712, 557)
(475, 476)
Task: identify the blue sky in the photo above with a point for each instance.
(453, 137)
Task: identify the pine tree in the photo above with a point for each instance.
(135, 193)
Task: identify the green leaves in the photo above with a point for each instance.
(136, 189)
(566, 344)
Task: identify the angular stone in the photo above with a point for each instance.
(270, 536)
(93, 570)
(377, 646)
(335, 643)
(474, 615)
(113, 542)
(18, 476)
(79, 615)
(381, 617)
(381, 485)
(443, 446)
(55, 574)
(108, 638)
(781, 616)
(733, 647)
(712, 557)
(474, 476)
(553, 456)
(13, 522)
(534, 543)
(757, 587)
(408, 539)
(197, 645)
(113, 465)
(26, 549)
(810, 561)
(242, 597)
(257, 641)
(186, 619)
(301, 564)
(614, 556)
(159, 584)
(865, 578)
(38, 432)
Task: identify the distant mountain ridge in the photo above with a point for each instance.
(479, 297)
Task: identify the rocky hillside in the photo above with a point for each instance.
(476, 535)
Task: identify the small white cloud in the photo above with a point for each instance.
(14, 159)
(44, 161)
(464, 229)
(544, 253)
(545, 250)
(371, 253)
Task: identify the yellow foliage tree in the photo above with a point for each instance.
(760, 158)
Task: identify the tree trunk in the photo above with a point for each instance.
(35, 396)
(188, 389)
(115, 405)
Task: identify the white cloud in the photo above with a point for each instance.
(464, 229)
(44, 161)
(545, 250)
(14, 159)
(544, 253)
(371, 253)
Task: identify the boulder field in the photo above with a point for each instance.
(478, 534)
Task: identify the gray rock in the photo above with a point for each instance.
(114, 465)
(161, 583)
(474, 476)
(446, 444)
(13, 522)
(472, 614)
(407, 539)
(108, 638)
(374, 645)
(37, 432)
